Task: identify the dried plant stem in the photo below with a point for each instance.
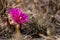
(47, 37)
(17, 28)
(18, 35)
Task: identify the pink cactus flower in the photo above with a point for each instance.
(18, 15)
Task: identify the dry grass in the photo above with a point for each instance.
(44, 19)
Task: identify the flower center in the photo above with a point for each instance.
(19, 18)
